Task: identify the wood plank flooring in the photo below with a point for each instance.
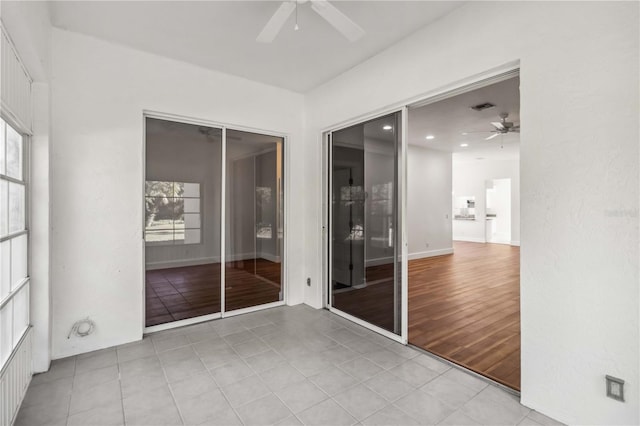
(178, 293)
(465, 307)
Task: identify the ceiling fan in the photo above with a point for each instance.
(501, 127)
(329, 12)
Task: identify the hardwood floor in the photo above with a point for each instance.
(465, 307)
(178, 293)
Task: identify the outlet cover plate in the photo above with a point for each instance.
(615, 388)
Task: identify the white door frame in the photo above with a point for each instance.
(223, 203)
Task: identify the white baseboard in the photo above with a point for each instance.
(150, 266)
(430, 253)
(239, 256)
(515, 243)
(470, 239)
(412, 256)
(248, 256)
(207, 260)
(270, 257)
(378, 261)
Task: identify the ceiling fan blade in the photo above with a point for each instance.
(337, 19)
(492, 136)
(277, 21)
(497, 125)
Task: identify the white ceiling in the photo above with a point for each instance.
(448, 119)
(220, 35)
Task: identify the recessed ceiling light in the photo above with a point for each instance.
(387, 127)
(429, 137)
(464, 145)
(464, 133)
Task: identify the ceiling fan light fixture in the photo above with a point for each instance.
(324, 8)
(275, 24)
(337, 19)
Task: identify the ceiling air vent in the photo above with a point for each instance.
(483, 106)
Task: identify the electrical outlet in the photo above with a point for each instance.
(309, 281)
(615, 388)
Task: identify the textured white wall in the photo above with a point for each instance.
(469, 179)
(579, 179)
(98, 98)
(428, 202)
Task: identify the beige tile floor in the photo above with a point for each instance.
(286, 366)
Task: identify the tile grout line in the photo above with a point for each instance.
(124, 419)
(168, 384)
(247, 365)
(75, 360)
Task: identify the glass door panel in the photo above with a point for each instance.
(182, 221)
(254, 220)
(364, 222)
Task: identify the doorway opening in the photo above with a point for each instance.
(464, 224)
(212, 196)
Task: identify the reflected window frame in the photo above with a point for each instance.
(168, 198)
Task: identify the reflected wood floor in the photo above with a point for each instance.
(372, 303)
(178, 293)
(465, 307)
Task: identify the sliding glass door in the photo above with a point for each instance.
(364, 222)
(254, 211)
(182, 221)
(193, 226)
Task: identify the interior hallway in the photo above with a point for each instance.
(465, 308)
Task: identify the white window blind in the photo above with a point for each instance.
(15, 86)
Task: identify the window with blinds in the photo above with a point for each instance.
(14, 240)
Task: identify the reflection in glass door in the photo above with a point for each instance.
(364, 222)
(182, 221)
(191, 228)
(254, 220)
